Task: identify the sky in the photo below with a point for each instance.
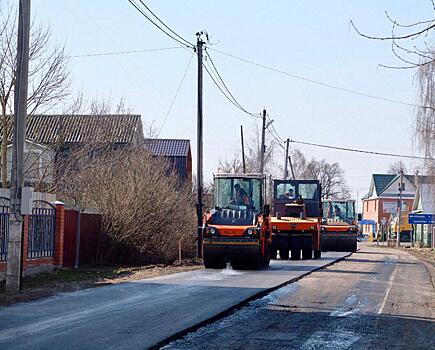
(307, 38)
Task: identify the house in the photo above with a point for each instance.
(38, 163)
(379, 205)
(424, 203)
(49, 137)
(176, 151)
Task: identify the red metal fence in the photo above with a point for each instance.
(90, 229)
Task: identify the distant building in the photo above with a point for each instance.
(379, 205)
(176, 151)
(424, 234)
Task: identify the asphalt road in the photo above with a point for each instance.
(378, 298)
(139, 314)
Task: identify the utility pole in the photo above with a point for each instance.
(291, 166)
(399, 209)
(286, 159)
(263, 146)
(199, 206)
(15, 243)
(243, 149)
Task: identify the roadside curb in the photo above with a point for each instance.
(239, 305)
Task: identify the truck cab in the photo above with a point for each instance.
(237, 230)
(296, 218)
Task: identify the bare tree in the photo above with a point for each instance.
(234, 164)
(408, 40)
(330, 175)
(48, 74)
(397, 168)
(425, 118)
(146, 212)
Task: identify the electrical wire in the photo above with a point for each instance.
(360, 151)
(164, 24)
(335, 87)
(256, 115)
(143, 13)
(176, 94)
(121, 52)
(224, 93)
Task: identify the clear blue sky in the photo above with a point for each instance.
(308, 38)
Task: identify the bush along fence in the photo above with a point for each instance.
(43, 243)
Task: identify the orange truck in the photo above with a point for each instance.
(339, 229)
(237, 230)
(296, 219)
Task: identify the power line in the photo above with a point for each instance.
(355, 92)
(176, 94)
(143, 13)
(164, 24)
(360, 151)
(121, 52)
(225, 94)
(256, 115)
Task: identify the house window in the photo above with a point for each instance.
(402, 186)
(375, 206)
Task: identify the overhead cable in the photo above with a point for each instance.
(256, 115)
(182, 42)
(360, 151)
(176, 93)
(355, 92)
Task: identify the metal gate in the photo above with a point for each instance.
(4, 227)
(41, 230)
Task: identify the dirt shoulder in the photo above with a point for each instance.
(67, 280)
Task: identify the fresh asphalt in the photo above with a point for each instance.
(144, 313)
(378, 298)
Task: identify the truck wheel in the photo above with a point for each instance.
(284, 254)
(266, 258)
(214, 264)
(317, 254)
(283, 251)
(273, 253)
(307, 253)
(296, 254)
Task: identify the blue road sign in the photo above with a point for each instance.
(421, 219)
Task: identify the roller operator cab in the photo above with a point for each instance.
(339, 228)
(237, 230)
(296, 219)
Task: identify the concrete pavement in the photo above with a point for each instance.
(140, 314)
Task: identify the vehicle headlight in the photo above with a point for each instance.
(250, 231)
(212, 230)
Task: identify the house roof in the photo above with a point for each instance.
(46, 129)
(168, 147)
(381, 181)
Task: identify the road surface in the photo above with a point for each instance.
(140, 314)
(378, 298)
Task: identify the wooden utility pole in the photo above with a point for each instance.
(199, 206)
(243, 149)
(263, 146)
(286, 159)
(291, 166)
(399, 210)
(15, 243)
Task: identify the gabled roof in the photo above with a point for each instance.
(168, 147)
(381, 181)
(49, 129)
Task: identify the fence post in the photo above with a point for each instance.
(59, 233)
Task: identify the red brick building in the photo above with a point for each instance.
(380, 203)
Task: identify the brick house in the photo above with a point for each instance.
(380, 203)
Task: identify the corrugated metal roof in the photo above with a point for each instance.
(168, 147)
(48, 129)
